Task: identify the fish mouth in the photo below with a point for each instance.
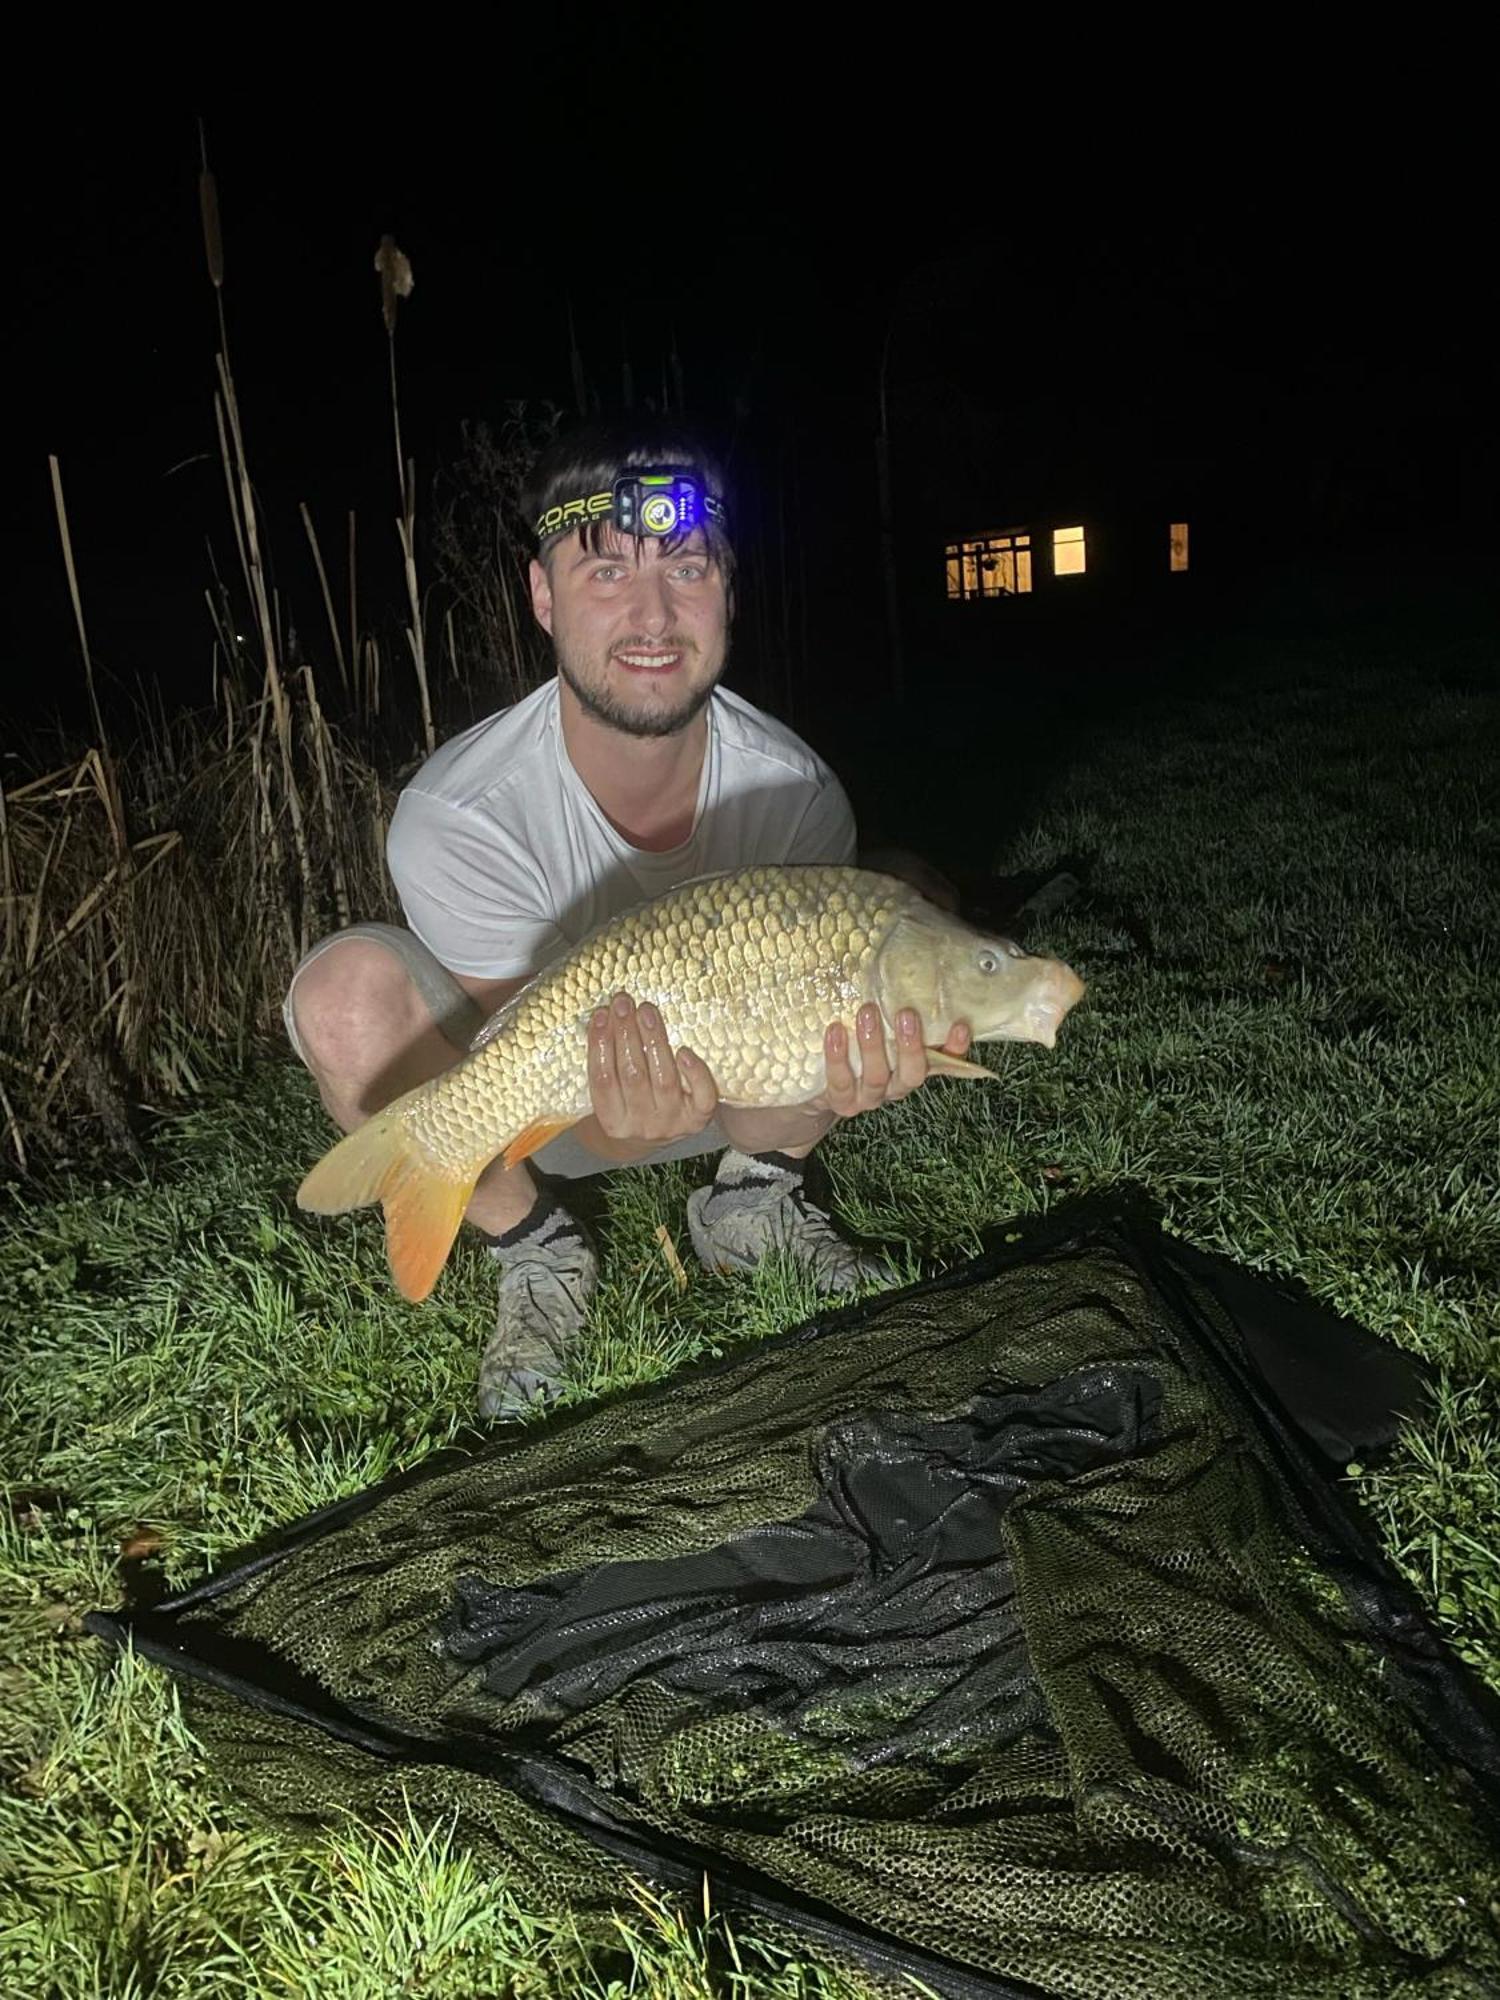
(1042, 1012)
(1047, 1008)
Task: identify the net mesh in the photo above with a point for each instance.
(985, 1618)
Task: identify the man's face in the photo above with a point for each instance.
(641, 635)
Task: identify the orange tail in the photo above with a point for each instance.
(423, 1205)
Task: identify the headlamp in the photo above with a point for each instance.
(654, 500)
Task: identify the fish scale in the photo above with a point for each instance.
(748, 969)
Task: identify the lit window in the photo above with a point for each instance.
(1069, 558)
(1179, 545)
(997, 565)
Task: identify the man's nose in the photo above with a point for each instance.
(651, 599)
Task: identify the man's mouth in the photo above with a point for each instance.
(650, 659)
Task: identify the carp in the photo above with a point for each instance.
(748, 969)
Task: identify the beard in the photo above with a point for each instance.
(598, 700)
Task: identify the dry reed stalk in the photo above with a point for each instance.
(670, 1257)
(325, 792)
(515, 641)
(242, 507)
(256, 580)
(132, 1009)
(81, 1036)
(333, 624)
(67, 549)
(35, 787)
(272, 836)
(372, 663)
(406, 530)
(156, 845)
(9, 895)
(213, 240)
(225, 459)
(378, 827)
(59, 1075)
(396, 283)
(114, 803)
(225, 639)
(13, 1129)
(61, 834)
(291, 790)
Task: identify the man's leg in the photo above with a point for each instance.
(372, 1014)
(756, 1202)
(359, 1022)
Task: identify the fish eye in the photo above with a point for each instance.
(989, 961)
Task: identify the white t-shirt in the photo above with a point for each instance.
(502, 859)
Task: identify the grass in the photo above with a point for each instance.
(1290, 1040)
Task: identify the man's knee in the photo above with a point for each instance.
(353, 1002)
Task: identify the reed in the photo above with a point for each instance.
(160, 879)
(128, 975)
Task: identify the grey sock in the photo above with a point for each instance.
(743, 1178)
(546, 1225)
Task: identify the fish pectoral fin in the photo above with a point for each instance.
(531, 1138)
(940, 1063)
(379, 1161)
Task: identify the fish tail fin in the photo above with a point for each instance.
(380, 1161)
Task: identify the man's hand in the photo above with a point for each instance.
(847, 1094)
(644, 1095)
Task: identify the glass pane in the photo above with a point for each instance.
(1179, 545)
(993, 565)
(1069, 557)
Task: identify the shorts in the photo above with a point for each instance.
(459, 1019)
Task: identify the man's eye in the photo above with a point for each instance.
(689, 572)
(607, 575)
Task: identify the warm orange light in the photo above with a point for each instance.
(1069, 556)
(997, 565)
(1179, 545)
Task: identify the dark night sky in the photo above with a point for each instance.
(1286, 313)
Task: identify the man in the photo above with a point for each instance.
(630, 772)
